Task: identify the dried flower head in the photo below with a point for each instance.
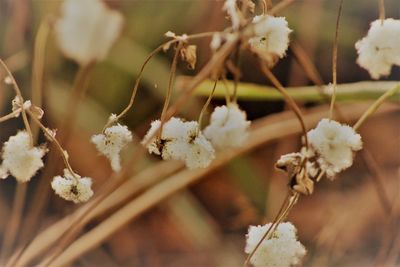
(380, 49)
(281, 250)
(180, 140)
(271, 35)
(111, 142)
(228, 127)
(188, 55)
(20, 159)
(87, 30)
(300, 170)
(334, 145)
(77, 189)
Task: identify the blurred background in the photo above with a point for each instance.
(341, 224)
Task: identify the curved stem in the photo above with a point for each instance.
(206, 105)
(375, 106)
(147, 60)
(51, 138)
(10, 115)
(382, 10)
(287, 98)
(137, 82)
(334, 61)
(19, 95)
(287, 205)
(170, 86)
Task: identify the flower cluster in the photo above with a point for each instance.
(228, 127)
(20, 159)
(331, 150)
(72, 187)
(183, 140)
(87, 30)
(111, 142)
(380, 49)
(271, 36)
(180, 140)
(334, 145)
(281, 250)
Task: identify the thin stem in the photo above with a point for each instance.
(137, 82)
(375, 106)
(334, 61)
(10, 115)
(170, 86)
(14, 222)
(52, 139)
(264, 7)
(287, 205)
(39, 52)
(287, 98)
(147, 60)
(382, 10)
(206, 105)
(19, 95)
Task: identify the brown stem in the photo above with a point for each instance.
(287, 205)
(52, 139)
(11, 115)
(334, 61)
(287, 97)
(382, 10)
(170, 87)
(203, 110)
(19, 95)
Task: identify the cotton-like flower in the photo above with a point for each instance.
(180, 141)
(77, 189)
(20, 159)
(334, 145)
(228, 127)
(281, 250)
(216, 41)
(231, 8)
(380, 49)
(87, 30)
(111, 142)
(271, 35)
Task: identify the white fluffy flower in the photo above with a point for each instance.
(111, 142)
(87, 30)
(77, 189)
(180, 141)
(20, 159)
(228, 127)
(281, 250)
(216, 41)
(271, 35)
(231, 8)
(334, 145)
(380, 49)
